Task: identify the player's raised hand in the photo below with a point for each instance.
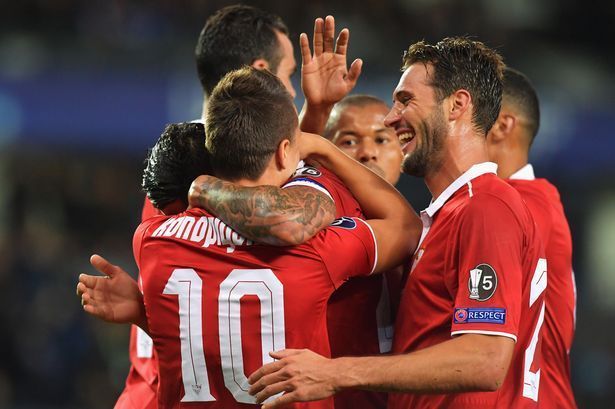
(113, 297)
(325, 78)
(302, 375)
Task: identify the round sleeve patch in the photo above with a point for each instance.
(307, 171)
(482, 283)
(344, 223)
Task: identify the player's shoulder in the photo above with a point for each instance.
(319, 174)
(307, 171)
(533, 192)
(341, 227)
(490, 189)
(548, 189)
(489, 197)
(312, 177)
(162, 222)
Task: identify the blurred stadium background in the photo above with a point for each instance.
(87, 86)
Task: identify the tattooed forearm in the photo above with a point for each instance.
(265, 214)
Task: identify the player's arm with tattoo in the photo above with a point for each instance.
(265, 214)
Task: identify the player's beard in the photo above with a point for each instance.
(427, 156)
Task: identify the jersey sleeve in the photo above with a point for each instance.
(347, 248)
(489, 269)
(324, 180)
(308, 176)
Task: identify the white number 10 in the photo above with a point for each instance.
(187, 285)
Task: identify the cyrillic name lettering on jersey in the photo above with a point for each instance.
(208, 230)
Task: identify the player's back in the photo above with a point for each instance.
(543, 200)
(217, 303)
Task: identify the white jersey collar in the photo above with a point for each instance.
(525, 173)
(466, 178)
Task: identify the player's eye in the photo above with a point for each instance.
(347, 143)
(382, 140)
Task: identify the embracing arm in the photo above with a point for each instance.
(395, 224)
(470, 362)
(265, 214)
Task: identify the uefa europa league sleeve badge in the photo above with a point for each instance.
(482, 283)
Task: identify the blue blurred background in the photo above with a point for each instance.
(87, 86)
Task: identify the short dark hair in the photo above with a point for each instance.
(519, 92)
(360, 100)
(462, 63)
(248, 114)
(178, 157)
(235, 36)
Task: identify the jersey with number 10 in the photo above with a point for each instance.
(217, 303)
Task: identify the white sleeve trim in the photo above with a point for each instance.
(310, 184)
(375, 244)
(497, 333)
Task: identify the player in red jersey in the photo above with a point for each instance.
(296, 282)
(233, 37)
(509, 142)
(355, 121)
(468, 330)
(356, 126)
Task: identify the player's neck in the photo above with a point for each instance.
(459, 155)
(268, 178)
(511, 165)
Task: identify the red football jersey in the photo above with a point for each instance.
(479, 268)
(142, 381)
(543, 200)
(328, 183)
(217, 303)
(366, 297)
(149, 210)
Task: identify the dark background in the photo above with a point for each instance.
(87, 86)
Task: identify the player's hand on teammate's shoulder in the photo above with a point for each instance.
(301, 374)
(114, 296)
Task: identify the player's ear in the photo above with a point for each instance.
(260, 64)
(282, 154)
(502, 128)
(459, 103)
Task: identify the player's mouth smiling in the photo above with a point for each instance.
(405, 136)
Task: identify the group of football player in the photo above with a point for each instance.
(279, 267)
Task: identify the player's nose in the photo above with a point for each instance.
(393, 117)
(367, 151)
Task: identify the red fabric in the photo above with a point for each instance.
(149, 210)
(482, 223)
(302, 277)
(543, 200)
(352, 312)
(138, 393)
(142, 381)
